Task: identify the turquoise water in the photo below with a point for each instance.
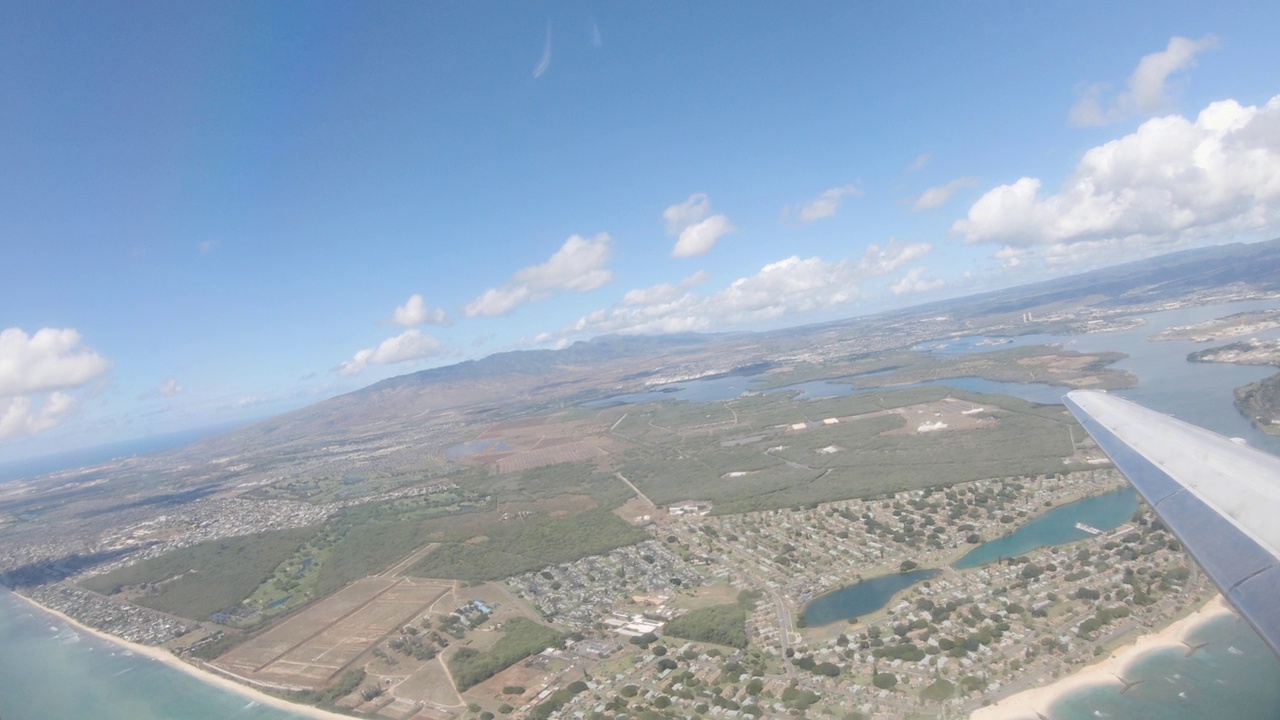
(1235, 676)
(1057, 527)
(49, 670)
(860, 598)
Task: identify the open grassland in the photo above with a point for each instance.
(784, 453)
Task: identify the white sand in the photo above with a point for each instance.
(1032, 703)
(201, 674)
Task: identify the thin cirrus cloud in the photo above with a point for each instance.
(940, 195)
(695, 229)
(416, 312)
(1147, 92)
(789, 286)
(1173, 179)
(825, 205)
(544, 62)
(35, 370)
(578, 266)
(408, 346)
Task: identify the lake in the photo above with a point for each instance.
(1057, 527)
(861, 598)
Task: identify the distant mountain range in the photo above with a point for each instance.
(534, 379)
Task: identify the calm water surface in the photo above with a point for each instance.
(1057, 527)
(861, 598)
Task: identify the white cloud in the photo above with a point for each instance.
(169, 388)
(20, 418)
(208, 246)
(665, 292)
(699, 238)
(915, 282)
(1170, 181)
(408, 345)
(416, 312)
(577, 266)
(789, 286)
(682, 215)
(1147, 92)
(695, 232)
(34, 370)
(826, 204)
(920, 161)
(936, 196)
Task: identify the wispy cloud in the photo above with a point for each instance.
(544, 63)
(577, 266)
(407, 346)
(596, 38)
(825, 205)
(1148, 90)
(937, 196)
(207, 247)
(921, 160)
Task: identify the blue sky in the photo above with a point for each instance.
(218, 211)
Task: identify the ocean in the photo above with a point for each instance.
(49, 670)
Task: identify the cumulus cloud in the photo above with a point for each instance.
(578, 266)
(1148, 90)
(915, 282)
(789, 286)
(34, 372)
(416, 312)
(1171, 180)
(937, 196)
(695, 232)
(826, 204)
(699, 238)
(408, 345)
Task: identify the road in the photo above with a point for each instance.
(636, 490)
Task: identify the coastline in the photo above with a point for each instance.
(176, 663)
(1036, 702)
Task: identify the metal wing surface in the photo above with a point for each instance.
(1220, 498)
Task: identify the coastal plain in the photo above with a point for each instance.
(635, 527)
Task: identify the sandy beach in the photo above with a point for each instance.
(1034, 703)
(174, 662)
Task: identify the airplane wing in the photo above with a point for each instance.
(1220, 498)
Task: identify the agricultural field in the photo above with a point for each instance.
(314, 646)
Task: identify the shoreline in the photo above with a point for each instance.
(174, 662)
(1035, 702)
